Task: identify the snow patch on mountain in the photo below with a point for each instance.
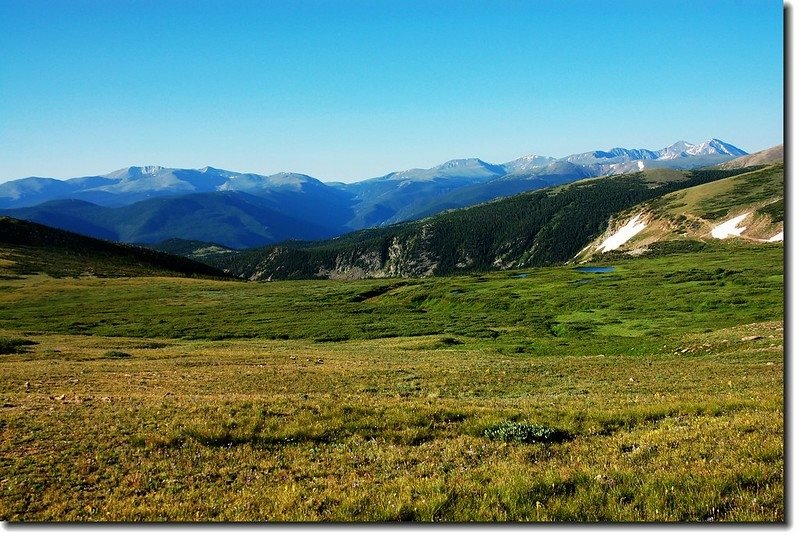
(627, 232)
(776, 238)
(729, 228)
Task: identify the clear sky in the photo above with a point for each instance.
(346, 90)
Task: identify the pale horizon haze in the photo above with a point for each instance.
(348, 90)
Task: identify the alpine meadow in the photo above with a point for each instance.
(652, 392)
(592, 338)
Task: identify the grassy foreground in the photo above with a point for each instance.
(178, 399)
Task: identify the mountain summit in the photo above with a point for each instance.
(714, 146)
(241, 209)
(679, 155)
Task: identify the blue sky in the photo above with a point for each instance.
(346, 90)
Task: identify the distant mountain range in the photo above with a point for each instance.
(151, 204)
(641, 213)
(651, 212)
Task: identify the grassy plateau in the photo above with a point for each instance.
(654, 392)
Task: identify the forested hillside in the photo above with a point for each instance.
(532, 229)
(28, 248)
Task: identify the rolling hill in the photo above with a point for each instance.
(748, 206)
(768, 156)
(234, 219)
(28, 248)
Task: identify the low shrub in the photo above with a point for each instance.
(116, 354)
(11, 345)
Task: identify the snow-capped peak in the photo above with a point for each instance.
(527, 163)
(150, 170)
(533, 159)
(210, 170)
(675, 150)
(134, 172)
(714, 146)
(460, 162)
(724, 148)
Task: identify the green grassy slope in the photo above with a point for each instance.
(719, 198)
(692, 213)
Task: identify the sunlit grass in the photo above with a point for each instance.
(170, 399)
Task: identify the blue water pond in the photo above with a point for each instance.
(595, 269)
